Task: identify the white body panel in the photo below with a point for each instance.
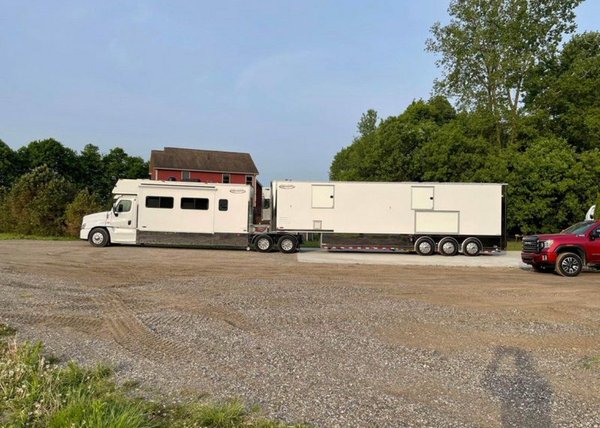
(471, 209)
(211, 214)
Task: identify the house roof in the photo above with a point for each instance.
(202, 160)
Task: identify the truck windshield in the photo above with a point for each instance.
(578, 228)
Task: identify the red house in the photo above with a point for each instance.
(207, 166)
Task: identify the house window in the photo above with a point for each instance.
(159, 202)
(249, 180)
(226, 178)
(185, 175)
(194, 204)
(223, 204)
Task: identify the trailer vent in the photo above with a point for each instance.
(317, 224)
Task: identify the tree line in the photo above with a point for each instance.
(514, 105)
(46, 188)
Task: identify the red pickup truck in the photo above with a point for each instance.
(566, 252)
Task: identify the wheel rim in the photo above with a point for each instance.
(287, 245)
(263, 244)
(425, 247)
(472, 248)
(448, 248)
(97, 238)
(570, 265)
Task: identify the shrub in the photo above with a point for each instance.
(83, 204)
(36, 203)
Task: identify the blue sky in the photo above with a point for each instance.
(283, 80)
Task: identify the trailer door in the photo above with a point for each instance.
(422, 197)
(323, 196)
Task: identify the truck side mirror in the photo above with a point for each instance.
(595, 234)
(116, 211)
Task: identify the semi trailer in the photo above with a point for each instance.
(447, 218)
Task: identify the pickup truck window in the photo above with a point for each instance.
(578, 228)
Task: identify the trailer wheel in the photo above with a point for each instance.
(263, 243)
(99, 237)
(425, 246)
(287, 244)
(472, 247)
(569, 264)
(448, 247)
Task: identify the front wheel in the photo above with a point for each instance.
(99, 238)
(569, 264)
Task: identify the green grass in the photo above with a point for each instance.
(514, 246)
(6, 236)
(37, 391)
(591, 362)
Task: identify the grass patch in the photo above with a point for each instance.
(36, 391)
(590, 363)
(6, 331)
(7, 236)
(514, 246)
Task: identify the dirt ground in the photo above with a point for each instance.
(331, 345)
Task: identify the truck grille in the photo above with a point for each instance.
(531, 244)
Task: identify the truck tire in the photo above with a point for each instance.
(472, 247)
(287, 244)
(569, 264)
(448, 247)
(425, 246)
(543, 268)
(99, 237)
(263, 243)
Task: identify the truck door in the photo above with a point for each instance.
(593, 253)
(123, 220)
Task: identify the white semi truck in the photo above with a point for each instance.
(448, 218)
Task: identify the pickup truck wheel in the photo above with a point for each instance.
(264, 243)
(425, 246)
(543, 268)
(569, 264)
(99, 238)
(448, 247)
(472, 247)
(287, 244)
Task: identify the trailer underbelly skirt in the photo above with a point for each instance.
(200, 240)
(394, 242)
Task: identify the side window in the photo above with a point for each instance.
(266, 204)
(194, 204)
(223, 204)
(124, 206)
(226, 178)
(159, 202)
(249, 180)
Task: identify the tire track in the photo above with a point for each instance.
(125, 328)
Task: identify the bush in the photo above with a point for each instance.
(36, 203)
(84, 203)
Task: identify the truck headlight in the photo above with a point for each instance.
(548, 243)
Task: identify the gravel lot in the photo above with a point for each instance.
(331, 345)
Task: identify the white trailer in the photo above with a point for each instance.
(424, 217)
(166, 213)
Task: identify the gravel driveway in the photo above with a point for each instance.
(331, 345)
